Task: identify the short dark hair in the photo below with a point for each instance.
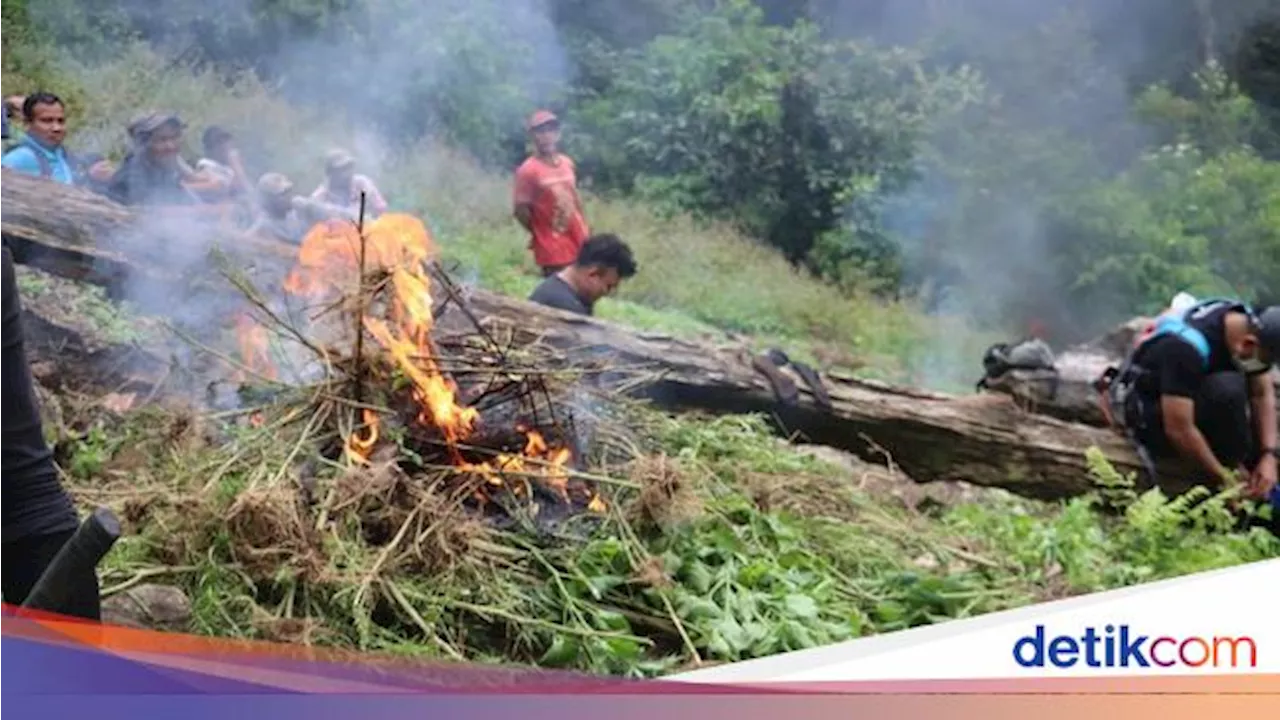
(38, 98)
(607, 250)
(214, 136)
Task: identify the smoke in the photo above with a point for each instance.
(370, 76)
(977, 232)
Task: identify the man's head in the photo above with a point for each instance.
(544, 128)
(159, 135)
(275, 192)
(216, 141)
(1254, 340)
(602, 264)
(46, 118)
(340, 168)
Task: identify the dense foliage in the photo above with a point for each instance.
(1075, 162)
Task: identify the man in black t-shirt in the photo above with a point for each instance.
(603, 263)
(39, 516)
(1212, 403)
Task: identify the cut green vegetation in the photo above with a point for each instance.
(720, 544)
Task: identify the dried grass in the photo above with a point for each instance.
(668, 496)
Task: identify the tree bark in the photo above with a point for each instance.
(981, 439)
(1069, 394)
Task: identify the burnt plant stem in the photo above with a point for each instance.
(456, 296)
(358, 369)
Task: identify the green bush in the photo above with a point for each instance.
(782, 132)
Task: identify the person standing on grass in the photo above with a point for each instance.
(604, 262)
(342, 187)
(38, 515)
(546, 198)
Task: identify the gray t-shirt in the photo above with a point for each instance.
(556, 293)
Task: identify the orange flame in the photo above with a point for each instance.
(359, 448)
(252, 339)
(398, 246)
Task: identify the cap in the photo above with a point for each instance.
(337, 159)
(1269, 332)
(149, 122)
(274, 184)
(540, 118)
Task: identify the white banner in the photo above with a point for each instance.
(1220, 622)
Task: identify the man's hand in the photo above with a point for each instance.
(102, 171)
(1263, 478)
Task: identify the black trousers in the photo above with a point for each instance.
(25, 560)
(1223, 416)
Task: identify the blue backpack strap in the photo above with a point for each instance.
(46, 168)
(1173, 325)
(1235, 303)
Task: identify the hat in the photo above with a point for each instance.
(274, 184)
(337, 159)
(1268, 324)
(540, 118)
(146, 123)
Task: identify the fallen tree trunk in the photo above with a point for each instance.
(981, 439)
(1069, 394)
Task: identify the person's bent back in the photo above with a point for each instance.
(1203, 390)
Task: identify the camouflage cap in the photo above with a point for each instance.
(147, 122)
(338, 159)
(274, 184)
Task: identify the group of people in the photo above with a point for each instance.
(577, 268)
(154, 174)
(39, 517)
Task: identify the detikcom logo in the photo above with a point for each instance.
(1120, 646)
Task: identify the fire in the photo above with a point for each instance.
(359, 448)
(252, 339)
(549, 464)
(396, 249)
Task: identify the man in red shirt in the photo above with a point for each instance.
(546, 198)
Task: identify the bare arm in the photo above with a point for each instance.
(522, 198)
(1262, 397)
(524, 215)
(1180, 426)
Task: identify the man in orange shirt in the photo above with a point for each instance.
(546, 198)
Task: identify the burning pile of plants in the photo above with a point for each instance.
(393, 473)
(452, 406)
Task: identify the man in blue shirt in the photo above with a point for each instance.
(40, 151)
